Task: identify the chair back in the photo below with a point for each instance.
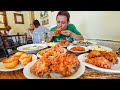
(11, 42)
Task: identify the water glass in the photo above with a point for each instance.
(37, 37)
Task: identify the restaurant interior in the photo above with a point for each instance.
(95, 57)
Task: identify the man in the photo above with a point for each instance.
(67, 31)
(39, 33)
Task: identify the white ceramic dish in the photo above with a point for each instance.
(86, 49)
(29, 75)
(114, 69)
(51, 44)
(19, 66)
(38, 55)
(32, 48)
(100, 48)
(84, 43)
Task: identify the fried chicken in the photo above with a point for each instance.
(63, 64)
(100, 62)
(41, 67)
(111, 56)
(64, 43)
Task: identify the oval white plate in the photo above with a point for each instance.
(51, 44)
(29, 75)
(104, 47)
(86, 49)
(3, 68)
(38, 55)
(114, 69)
(32, 45)
(19, 66)
(77, 42)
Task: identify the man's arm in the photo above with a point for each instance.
(75, 36)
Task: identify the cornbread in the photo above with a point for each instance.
(11, 62)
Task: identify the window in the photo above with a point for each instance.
(3, 20)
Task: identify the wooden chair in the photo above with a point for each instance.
(10, 43)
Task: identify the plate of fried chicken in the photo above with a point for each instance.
(101, 60)
(52, 52)
(64, 66)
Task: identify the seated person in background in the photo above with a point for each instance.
(64, 30)
(9, 31)
(29, 33)
(1, 33)
(39, 33)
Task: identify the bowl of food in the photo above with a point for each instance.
(78, 49)
(32, 48)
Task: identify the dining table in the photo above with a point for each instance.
(88, 73)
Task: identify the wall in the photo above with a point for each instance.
(19, 28)
(37, 16)
(95, 24)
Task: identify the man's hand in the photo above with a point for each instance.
(50, 36)
(66, 32)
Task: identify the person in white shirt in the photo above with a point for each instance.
(40, 33)
(29, 33)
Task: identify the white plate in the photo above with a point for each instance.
(51, 44)
(2, 68)
(29, 75)
(114, 69)
(86, 49)
(19, 66)
(33, 47)
(77, 42)
(38, 55)
(99, 47)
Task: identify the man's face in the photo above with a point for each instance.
(62, 22)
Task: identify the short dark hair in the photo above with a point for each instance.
(36, 23)
(65, 13)
(8, 27)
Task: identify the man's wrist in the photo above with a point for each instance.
(71, 34)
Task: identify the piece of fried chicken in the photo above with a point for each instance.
(111, 56)
(65, 64)
(64, 43)
(100, 62)
(41, 66)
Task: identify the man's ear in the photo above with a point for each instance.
(68, 22)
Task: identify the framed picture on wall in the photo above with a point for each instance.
(45, 21)
(19, 19)
(44, 18)
(43, 14)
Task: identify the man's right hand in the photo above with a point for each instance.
(50, 36)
